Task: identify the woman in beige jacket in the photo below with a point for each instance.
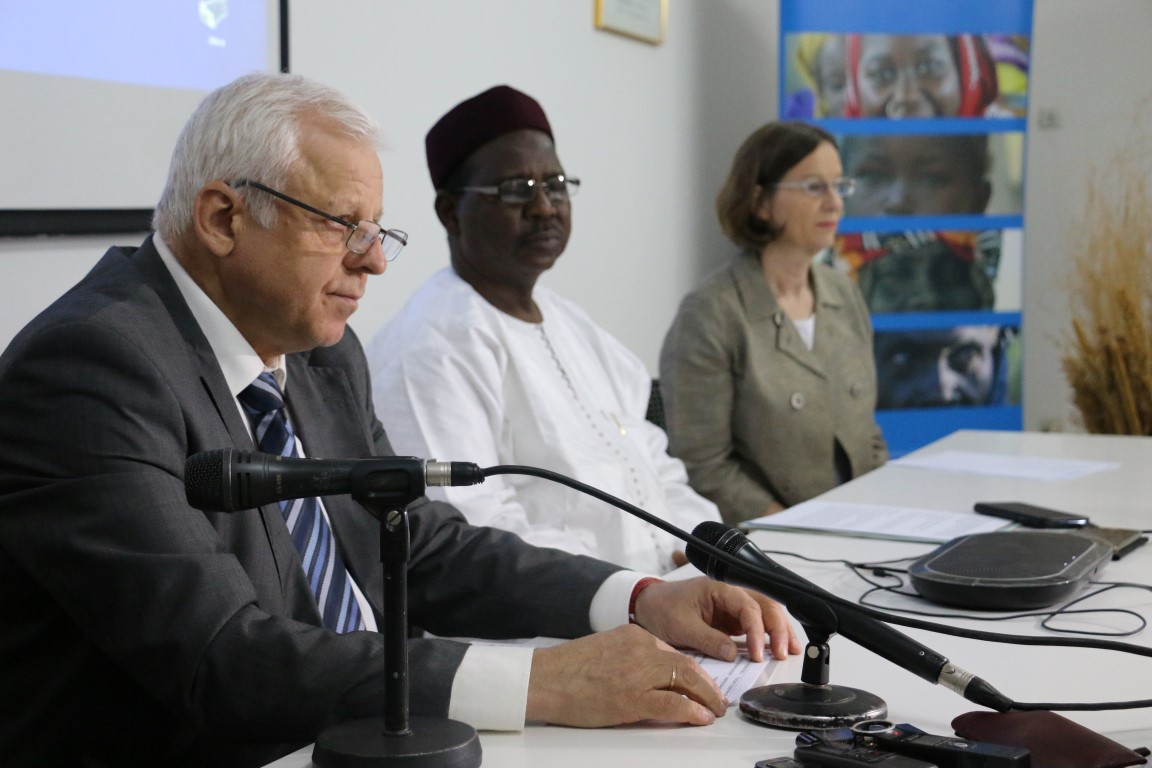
(767, 373)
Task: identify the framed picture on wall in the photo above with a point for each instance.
(639, 19)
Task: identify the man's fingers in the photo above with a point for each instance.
(784, 639)
(752, 622)
(694, 693)
(694, 673)
(775, 631)
(670, 706)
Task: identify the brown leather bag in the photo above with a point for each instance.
(1054, 740)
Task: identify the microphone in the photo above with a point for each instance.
(831, 614)
(227, 479)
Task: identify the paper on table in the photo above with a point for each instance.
(878, 521)
(1008, 465)
(736, 677)
(733, 677)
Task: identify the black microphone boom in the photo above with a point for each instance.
(227, 479)
(829, 613)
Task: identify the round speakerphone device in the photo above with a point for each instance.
(1009, 570)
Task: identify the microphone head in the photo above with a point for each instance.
(205, 480)
(718, 535)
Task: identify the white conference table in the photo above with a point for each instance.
(1120, 497)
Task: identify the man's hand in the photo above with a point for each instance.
(703, 614)
(623, 675)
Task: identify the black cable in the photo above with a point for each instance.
(878, 569)
(975, 634)
(731, 561)
(1046, 616)
(1106, 586)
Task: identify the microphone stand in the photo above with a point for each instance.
(813, 702)
(396, 739)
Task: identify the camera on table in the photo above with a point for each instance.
(882, 744)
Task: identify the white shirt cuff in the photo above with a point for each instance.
(490, 690)
(610, 603)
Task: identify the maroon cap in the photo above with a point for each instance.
(473, 123)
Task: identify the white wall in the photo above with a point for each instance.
(1091, 63)
(651, 130)
(623, 113)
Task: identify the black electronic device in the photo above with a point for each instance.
(779, 762)
(944, 751)
(1030, 515)
(815, 748)
(1009, 570)
(1122, 540)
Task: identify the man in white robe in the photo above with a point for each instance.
(483, 365)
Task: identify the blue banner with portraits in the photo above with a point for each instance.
(927, 99)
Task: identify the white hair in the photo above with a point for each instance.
(250, 129)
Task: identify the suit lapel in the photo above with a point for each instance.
(260, 539)
(206, 368)
(789, 343)
(829, 315)
(764, 312)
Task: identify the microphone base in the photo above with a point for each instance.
(430, 743)
(802, 707)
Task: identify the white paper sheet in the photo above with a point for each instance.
(878, 521)
(1007, 465)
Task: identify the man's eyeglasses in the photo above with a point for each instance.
(843, 186)
(360, 238)
(523, 191)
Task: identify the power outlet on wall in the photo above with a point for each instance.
(1048, 119)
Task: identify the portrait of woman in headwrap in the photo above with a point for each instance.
(898, 76)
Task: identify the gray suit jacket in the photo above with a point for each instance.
(140, 631)
(753, 413)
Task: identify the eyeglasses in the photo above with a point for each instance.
(361, 236)
(818, 187)
(523, 191)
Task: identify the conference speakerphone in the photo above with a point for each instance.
(1009, 570)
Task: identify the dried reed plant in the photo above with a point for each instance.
(1107, 357)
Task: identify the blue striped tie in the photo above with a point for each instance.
(327, 576)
